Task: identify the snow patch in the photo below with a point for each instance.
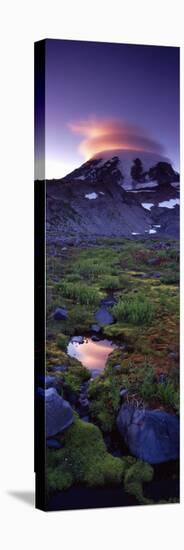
(91, 196)
(101, 193)
(134, 233)
(147, 205)
(144, 191)
(146, 184)
(171, 203)
(151, 231)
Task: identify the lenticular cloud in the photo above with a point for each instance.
(108, 134)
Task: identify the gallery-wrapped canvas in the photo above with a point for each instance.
(106, 274)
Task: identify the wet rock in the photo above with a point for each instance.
(59, 414)
(95, 338)
(151, 435)
(77, 339)
(95, 328)
(60, 314)
(103, 317)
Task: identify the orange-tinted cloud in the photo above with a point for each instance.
(108, 134)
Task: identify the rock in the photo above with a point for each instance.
(103, 317)
(53, 444)
(95, 328)
(49, 382)
(151, 435)
(77, 339)
(60, 314)
(59, 414)
(95, 338)
(156, 274)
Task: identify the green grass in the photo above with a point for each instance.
(79, 293)
(170, 279)
(135, 310)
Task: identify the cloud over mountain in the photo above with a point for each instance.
(111, 134)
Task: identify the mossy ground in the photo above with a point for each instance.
(84, 459)
(135, 272)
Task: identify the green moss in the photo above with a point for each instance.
(83, 459)
(135, 476)
(104, 401)
(62, 341)
(74, 377)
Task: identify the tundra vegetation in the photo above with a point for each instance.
(143, 277)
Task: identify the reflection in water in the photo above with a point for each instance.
(92, 355)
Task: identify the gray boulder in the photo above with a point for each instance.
(59, 414)
(60, 314)
(103, 317)
(151, 435)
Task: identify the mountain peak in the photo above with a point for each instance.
(132, 169)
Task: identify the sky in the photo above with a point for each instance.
(108, 96)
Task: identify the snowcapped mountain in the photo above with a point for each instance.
(115, 193)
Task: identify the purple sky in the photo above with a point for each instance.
(93, 89)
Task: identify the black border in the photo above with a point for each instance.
(39, 275)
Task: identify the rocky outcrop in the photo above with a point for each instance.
(58, 412)
(60, 314)
(151, 435)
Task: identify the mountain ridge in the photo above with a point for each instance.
(120, 195)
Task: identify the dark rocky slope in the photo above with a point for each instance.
(105, 197)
